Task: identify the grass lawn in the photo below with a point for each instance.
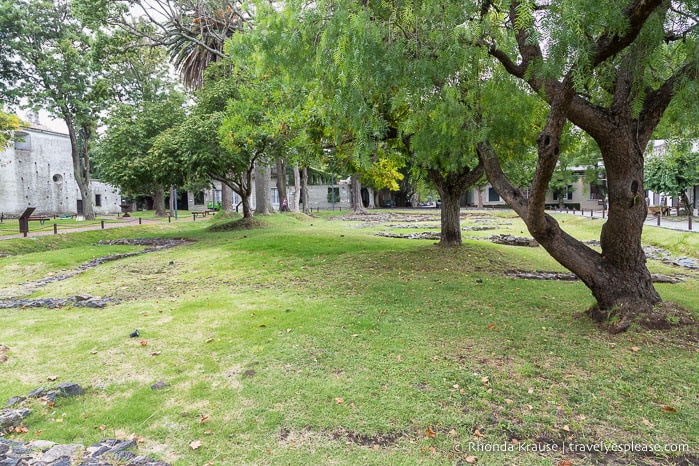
(315, 341)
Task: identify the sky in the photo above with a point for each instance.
(45, 120)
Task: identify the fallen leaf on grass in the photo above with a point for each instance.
(648, 423)
(508, 401)
(478, 434)
(485, 380)
(669, 409)
(209, 340)
(155, 353)
(143, 343)
(635, 348)
(429, 433)
(566, 428)
(21, 430)
(195, 444)
(52, 378)
(470, 459)
(339, 400)
(203, 419)
(565, 463)
(491, 327)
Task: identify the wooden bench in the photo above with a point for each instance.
(203, 213)
(39, 218)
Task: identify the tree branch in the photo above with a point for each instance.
(496, 177)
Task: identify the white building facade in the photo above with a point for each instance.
(36, 170)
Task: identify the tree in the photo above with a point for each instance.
(193, 31)
(48, 55)
(387, 79)
(8, 124)
(124, 155)
(612, 71)
(674, 172)
(225, 134)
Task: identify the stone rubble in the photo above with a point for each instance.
(55, 303)
(46, 453)
(107, 452)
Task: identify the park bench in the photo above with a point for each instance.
(203, 213)
(39, 218)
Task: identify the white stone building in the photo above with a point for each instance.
(36, 170)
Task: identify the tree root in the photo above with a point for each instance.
(663, 316)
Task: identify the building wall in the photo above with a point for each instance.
(581, 194)
(318, 196)
(38, 172)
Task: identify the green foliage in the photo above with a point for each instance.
(52, 60)
(8, 124)
(124, 155)
(673, 171)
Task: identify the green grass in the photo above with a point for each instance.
(313, 341)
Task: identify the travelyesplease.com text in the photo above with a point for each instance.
(601, 447)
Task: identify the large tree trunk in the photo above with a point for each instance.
(372, 204)
(159, 202)
(450, 188)
(617, 277)
(263, 204)
(81, 165)
(297, 190)
(356, 191)
(304, 191)
(627, 280)
(281, 180)
(226, 198)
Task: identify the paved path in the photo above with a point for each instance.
(121, 222)
(671, 223)
(674, 223)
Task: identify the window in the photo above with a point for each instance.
(567, 194)
(98, 200)
(493, 195)
(274, 195)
